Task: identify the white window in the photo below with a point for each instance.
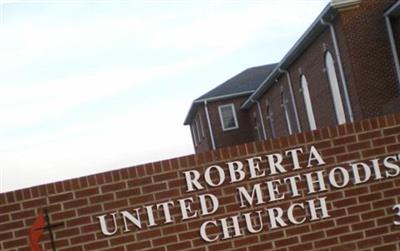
(270, 119)
(227, 116)
(333, 82)
(307, 101)
(284, 103)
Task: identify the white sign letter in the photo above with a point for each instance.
(192, 179)
(103, 224)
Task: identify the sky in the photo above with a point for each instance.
(92, 86)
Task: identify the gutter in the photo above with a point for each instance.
(222, 97)
(344, 3)
(319, 25)
(237, 94)
(209, 125)
(305, 40)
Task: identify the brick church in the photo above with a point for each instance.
(344, 68)
(299, 155)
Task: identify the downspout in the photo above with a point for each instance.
(261, 117)
(294, 106)
(341, 71)
(393, 47)
(209, 125)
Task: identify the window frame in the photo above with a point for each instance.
(257, 127)
(270, 119)
(336, 94)
(192, 128)
(232, 107)
(284, 103)
(308, 102)
(201, 126)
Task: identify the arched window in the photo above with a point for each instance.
(201, 126)
(257, 127)
(284, 103)
(270, 120)
(334, 84)
(307, 101)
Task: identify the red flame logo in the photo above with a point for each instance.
(36, 232)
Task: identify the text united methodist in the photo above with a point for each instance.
(310, 178)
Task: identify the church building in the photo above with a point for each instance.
(344, 68)
(298, 155)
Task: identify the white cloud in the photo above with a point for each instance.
(138, 136)
(28, 104)
(28, 41)
(233, 29)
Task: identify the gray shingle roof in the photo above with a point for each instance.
(245, 82)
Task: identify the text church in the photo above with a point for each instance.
(302, 154)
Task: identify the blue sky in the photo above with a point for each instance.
(90, 86)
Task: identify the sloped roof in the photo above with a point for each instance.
(244, 83)
(316, 28)
(393, 10)
(247, 80)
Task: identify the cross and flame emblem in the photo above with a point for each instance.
(41, 224)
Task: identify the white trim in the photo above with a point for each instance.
(296, 114)
(335, 89)
(289, 126)
(258, 131)
(270, 118)
(295, 51)
(189, 116)
(201, 126)
(197, 130)
(341, 70)
(209, 125)
(232, 106)
(286, 113)
(261, 119)
(393, 47)
(257, 126)
(224, 96)
(344, 3)
(308, 103)
(194, 135)
(392, 9)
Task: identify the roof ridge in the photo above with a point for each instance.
(245, 82)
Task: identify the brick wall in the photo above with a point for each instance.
(222, 138)
(368, 68)
(205, 141)
(312, 64)
(361, 216)
(367, 58)
(232, 137)
(272, 98)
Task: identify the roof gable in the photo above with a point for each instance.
(246, 81)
